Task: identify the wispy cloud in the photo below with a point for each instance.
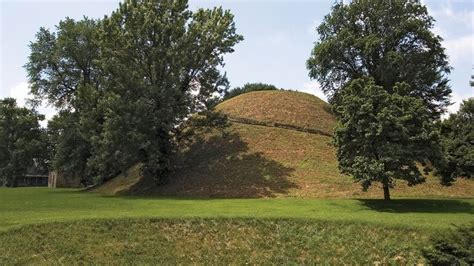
(456, 99)
(461, 48)
(312, 29)
(314, 88)
(21, 92)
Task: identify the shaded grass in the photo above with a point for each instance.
(24, 206)
(419, 206)
(210, 241)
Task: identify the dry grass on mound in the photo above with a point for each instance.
(121, 183)
(253, 161)
(248, 161)
(285, 107)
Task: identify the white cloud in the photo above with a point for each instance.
(48, 112)
(458, 47)
(463, 16)
(20, 92)
(461, 48)
(314, 88)
(456, 99)
(312, 29)
(439, 31)
(446, 11)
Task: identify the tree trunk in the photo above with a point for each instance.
(386, 191)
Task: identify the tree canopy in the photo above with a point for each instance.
(62, 62)
(381, 136)
(146, 68)
(390, 41)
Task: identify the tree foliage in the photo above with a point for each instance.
(61, 62)
(381, 136)
(71, 149)
(457, 135)
(390, 41)
(248, 88)
(63, 69)
(128, 81)
(22, 141)
(385, 72)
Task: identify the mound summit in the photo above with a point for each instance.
(278, 144)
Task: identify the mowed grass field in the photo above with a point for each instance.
(40, 225)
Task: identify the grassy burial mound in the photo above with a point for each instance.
(281, 109)
(267, 151)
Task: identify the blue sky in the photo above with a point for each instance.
(279, 36)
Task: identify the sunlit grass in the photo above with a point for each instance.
(23, 206)
(210, 242)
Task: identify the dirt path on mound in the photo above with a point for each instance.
(278, 125)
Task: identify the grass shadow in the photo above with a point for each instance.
(219, 164)
(419, 206)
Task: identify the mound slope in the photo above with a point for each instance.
(251, 161)
(281, 107)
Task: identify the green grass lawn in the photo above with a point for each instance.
(22, 206)
(43, 226)
(210, 242)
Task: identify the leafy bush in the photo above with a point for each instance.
(453, 248)
(248, 88)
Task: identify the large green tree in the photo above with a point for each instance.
(385, 72)
(381, 136)
(457, 135)
(161, 63)
(390, 41)
(63, 61)
(151, 64)
(22, 141)
(62, 69)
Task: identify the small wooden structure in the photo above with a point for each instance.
(35, 176)
(58, 180)
(32, 180)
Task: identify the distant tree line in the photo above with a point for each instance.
(23, 143)
(248, 88)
